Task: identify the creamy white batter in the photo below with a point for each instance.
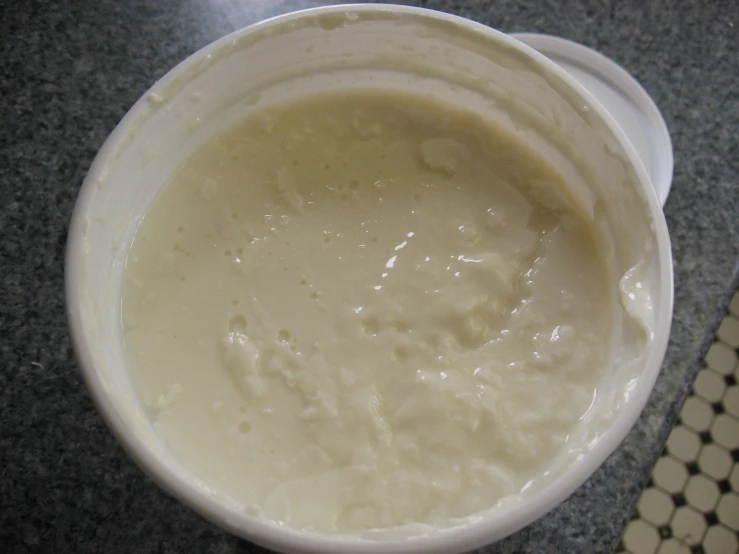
(365, 310)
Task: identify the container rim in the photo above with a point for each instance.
(481, 530)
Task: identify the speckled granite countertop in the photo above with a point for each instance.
(68, 73)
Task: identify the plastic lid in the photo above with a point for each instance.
(622, 96)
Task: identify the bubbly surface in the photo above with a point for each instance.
(363, 310)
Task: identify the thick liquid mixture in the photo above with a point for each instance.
(352, 312)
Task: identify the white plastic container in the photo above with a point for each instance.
(366, 46)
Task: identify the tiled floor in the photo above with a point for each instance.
(691, 505)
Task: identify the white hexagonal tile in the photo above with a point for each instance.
(696, 413)
(725, 431)
(702, 493)
(683, 443)
(655, 506)
(688, 525)
(734, 478)
(715, 462)
(731, 400)
(719, 540)
(722, 358)
(728, 331)
(672, 546)
(709, 385)
(641, 538)
(734, 305)
(669, 474)
(728, 510)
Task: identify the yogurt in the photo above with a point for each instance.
(364, 310)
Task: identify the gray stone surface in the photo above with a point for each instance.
(68, 73)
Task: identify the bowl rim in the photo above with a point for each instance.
(480, 530)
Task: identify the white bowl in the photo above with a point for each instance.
(381, 46)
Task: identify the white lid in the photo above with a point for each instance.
(622, 96)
